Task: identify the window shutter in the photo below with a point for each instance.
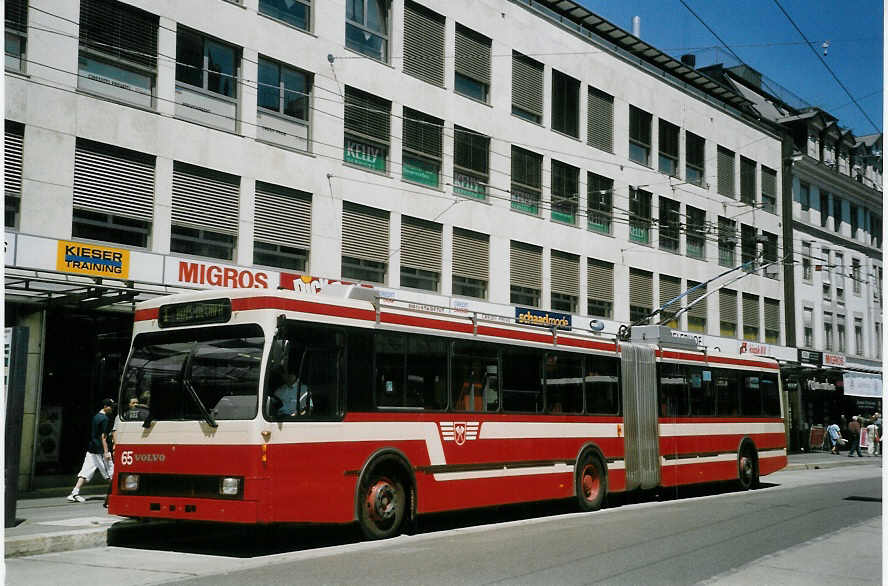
(725, 172)
(641, 288)
(283, 216)
(420, 244)
(527, 84)
(423, 44)
(565, 269)
(750, 310)
(115, 29)
(727, 306)
(365, 232)
(112, 180)
(670, 288)
(12, 151)
(205, 199)
(600, 280)
(367, 115)
(769, 182)
(526, 267)
(747, 180)
(698, 310)
(17, 15)
(471, 254)
(422, 133)
(472, 55)
(772, 314)
(600, 120)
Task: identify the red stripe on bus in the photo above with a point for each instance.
(248, 303)
(425, 322)
(146, 314)
(721, 360)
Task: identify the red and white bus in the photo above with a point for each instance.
(265, 407)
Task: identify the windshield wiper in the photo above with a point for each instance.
(186, 382)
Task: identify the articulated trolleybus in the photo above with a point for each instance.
(264, 407)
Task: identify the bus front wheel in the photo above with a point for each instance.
(382, 506)
(748, 468)
(591, 483)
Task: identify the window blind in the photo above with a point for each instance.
(420, 244)
(365, 232)
(565, 269)
(471, 254)
(205, 199)
(113, 180)
(423, 44)
(526, 265)
(283, 216)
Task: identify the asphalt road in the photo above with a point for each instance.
(701, 534)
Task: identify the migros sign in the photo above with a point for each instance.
(213, 275)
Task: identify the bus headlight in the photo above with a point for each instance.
(129, 482)
(229, 487)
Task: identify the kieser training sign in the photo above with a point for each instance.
(93, 260)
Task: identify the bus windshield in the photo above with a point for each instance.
(204, 374)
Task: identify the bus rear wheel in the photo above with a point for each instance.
(591, 483)
(382, 506)
(747, 468)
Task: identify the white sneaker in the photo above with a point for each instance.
(76, 498)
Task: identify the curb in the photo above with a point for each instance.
(26, 545)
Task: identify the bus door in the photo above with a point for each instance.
(641, 441)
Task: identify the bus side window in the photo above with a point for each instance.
(389, 380)
(474, 377)
(564, 383)
(726, 392)
(359, 370)
(770, 395)
(522, 380)
(751, 397)
(602, 385)
(702, 393)
(426, 372)
(673, 387)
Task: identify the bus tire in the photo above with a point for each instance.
(382, 505)
(747, 468)
(591, 482)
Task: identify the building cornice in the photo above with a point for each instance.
(809, 169)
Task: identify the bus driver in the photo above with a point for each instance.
(295, 397)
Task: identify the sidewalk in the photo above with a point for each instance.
(49, 523)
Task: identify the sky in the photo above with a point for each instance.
(762, 36)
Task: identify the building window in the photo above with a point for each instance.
(747, 247)
(854, 219)
(669, 224)
(422, 148)
(750, 317)
(670, 290)
(769, 255)
(118, 51)
(640, 136)
(471, 163)
(769, 190)
(727, 308)
(527, 88)
(423, 44)
(365, 243)
(641, 295)
(600, 204)
(696, 305)
(472, 65)
(639, 215)
(565, 281)
(695, 233)
(727, 242)
(113, 194)
(420, 254)
(565, 192)
(600, 288)
(668, 143)
(772, 321)
(281, 227)
(855, 275)
(840, 334)
(525, 273)
(565, 104)
(285, 92)
(293, 12)
(725, 171)
(858, 336)
(527, 168)
(600, 120)
(876, 231)
(471, 263)
(16, 34)
(367, 130)
(805, 196)
(747, 181)
(807, 273)
(206, 63)
(695, 157)
(827, 332)
(837, 214)
(824, 208)
(366, 27)
(807, 324)
(14, 135)
(204, 211)
(877, 340)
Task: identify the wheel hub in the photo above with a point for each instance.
(591, 483)
(381, 501)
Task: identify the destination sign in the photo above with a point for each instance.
(210, 311)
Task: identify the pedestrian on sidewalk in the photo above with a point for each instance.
(832, 432)
(98, 451)
(872, 437)
(878, 417)
(854, 431)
